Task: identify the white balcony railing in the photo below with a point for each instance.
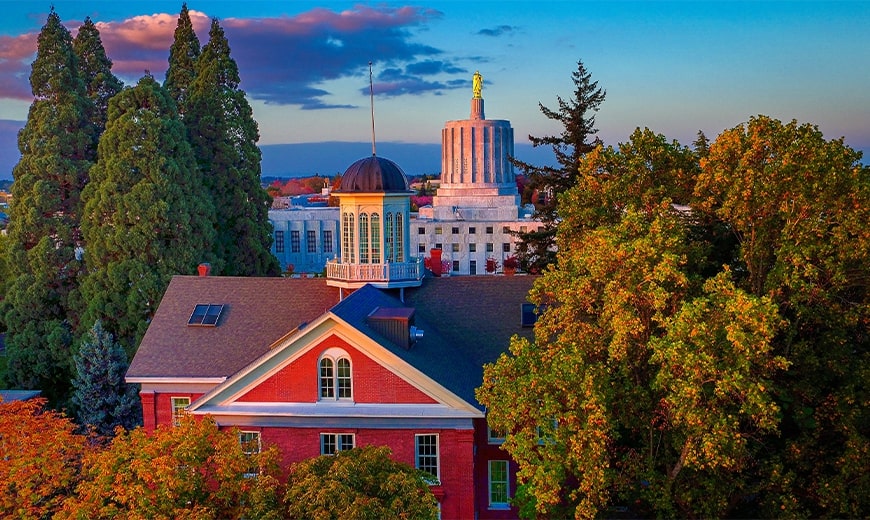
(375, 273)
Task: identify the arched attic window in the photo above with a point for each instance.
(335, 381)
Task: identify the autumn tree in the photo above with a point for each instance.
(95, 68)
(192, 470)
(102, 400)
(56, 146)
(359, 483)
(41, 461)
(677, 373)
(536, 249)
(224, 135)
(147, 216)
(798, 206)
(183, 54)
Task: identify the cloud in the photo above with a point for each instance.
(498, 30)
(286, 60)
(16, 54)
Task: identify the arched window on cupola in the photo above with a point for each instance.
(400, 235)
(363, 238)
(376, 238)
(347, 245)
(389, 241)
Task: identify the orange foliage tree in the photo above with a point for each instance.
(41, 458)
(193, 470)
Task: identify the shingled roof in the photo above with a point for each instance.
(257, 312)
(467, 321)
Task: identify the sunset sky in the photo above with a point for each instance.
(675, 67)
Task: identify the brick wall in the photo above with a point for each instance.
(372, 383)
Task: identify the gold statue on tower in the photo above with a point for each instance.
(477, 85)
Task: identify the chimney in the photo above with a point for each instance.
(204, 269)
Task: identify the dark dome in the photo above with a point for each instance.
(373, 174)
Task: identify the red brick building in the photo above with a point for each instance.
(374, 354)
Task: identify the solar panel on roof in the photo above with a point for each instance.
(206, 315)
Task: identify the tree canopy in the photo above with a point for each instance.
(576, 115)
(147, 216)
(192, 470)
(224, 135)
(703, 334)
(56, 146)
(358, 484)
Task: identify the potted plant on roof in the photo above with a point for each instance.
(491, 265)
(510, 265)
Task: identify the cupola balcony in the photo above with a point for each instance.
(383, 276)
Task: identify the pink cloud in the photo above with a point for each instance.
(16, 54)
(311, 47)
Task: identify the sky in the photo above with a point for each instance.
(674, 67)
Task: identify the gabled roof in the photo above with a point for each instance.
(467, 321)
(258, 312)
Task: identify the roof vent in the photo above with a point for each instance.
(416, 334)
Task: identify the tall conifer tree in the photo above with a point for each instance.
(147, 216)
(577, 117)
(224, 135)
(56, 146)
(183, 54)
(95, 67)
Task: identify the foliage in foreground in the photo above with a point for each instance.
(362, 483)
(703, 346)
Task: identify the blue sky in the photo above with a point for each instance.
(675, 67)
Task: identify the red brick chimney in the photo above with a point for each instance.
(204, 269)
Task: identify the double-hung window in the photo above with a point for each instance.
(426, 447)
(179, 408)
(250, 443)
(331, 443)
(499, 491)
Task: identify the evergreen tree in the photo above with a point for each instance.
(56, 145)
(102, 398)
(536, 249)
(224, 135)
(147, 216)
(182, 61)
(96, 71)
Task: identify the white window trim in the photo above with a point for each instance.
(491, 436)
(507, 482)
(336, 436)
(334, 354)
(437, 454)
(182, 410)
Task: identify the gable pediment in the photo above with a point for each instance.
(285, 382)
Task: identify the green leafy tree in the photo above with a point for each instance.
(675, 373)
(147, 215)
(193, 470)
(101, 398)
(536, 249)
(798, 206)
(41, 462)
(183, 54)
(56, 146)
(224, 136)
(96, 71)
(356, 484)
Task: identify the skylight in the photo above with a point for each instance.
(205, 315)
